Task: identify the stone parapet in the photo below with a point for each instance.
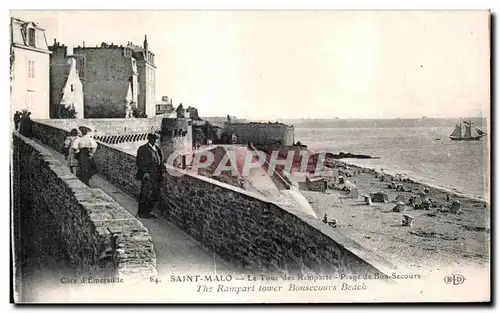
(257, 235)
(56, 214)
(108, 127)
(246, 230)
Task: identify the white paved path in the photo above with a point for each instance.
(176, 252)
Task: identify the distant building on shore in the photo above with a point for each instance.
(116, 79)
(260, 133)
(29, 72)
(220, 120)
(164, 107)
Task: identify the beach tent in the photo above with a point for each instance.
(455, 206)
(400, 207)
(341, 179)
(380, 197)
(352, 190)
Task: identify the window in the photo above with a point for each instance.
(31, 37)
(81, 64)
(31, 69)
(127, 52)
(134, 66)
(72, 87)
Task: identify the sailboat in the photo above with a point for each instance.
(457, 133)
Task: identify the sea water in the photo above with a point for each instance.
(461, 166)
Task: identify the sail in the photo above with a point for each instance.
(480, 132)
(467, 131)
(457, 132)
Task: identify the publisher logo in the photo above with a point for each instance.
(454, 279)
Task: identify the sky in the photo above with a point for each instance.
(302, 64)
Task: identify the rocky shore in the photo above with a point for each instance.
(348, 155)
(440, 239)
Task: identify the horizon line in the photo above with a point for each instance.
(344, 118)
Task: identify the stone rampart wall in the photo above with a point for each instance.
(241, 227)
(55, 213)
(263, 133)
(257, 235)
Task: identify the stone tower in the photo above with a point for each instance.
(146, 69)
(176, 136)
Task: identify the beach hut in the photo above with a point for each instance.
(315, 183)
(380, 197)
(400, 207)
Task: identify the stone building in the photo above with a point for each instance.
(29, 72)
(66, 88)
(165, 106)
(115, 78)
(177, 137)
(261, 133)
(146, 69)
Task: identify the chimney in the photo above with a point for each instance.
(146, 42)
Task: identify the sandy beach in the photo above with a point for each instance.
(439, 239)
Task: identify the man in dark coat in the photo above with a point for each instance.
(25, 125)
(149, 171)
(17, 119)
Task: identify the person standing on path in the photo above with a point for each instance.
(17, 119)
(25, 124)
(149, 171)
(69, 151)
(84, 148)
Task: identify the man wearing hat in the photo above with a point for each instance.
(25, 124)
(149, 172)
(84, 148)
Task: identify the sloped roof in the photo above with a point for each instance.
(19, 35)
